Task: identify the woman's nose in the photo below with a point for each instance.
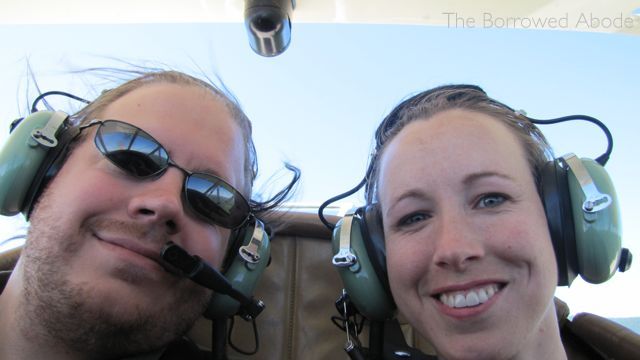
(159, 201)
(459, 242)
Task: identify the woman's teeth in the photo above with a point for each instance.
(469, 298)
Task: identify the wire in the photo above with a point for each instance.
(255, 335)
(41, 97)
(602, 159)
(362, 183)
(358, 325)
(334, 199)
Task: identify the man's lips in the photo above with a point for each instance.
(133, 246)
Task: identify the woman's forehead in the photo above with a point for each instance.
(452, 129)
(454, 140)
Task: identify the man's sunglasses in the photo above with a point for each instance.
(140, 155)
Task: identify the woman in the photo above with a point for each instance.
(470, 260)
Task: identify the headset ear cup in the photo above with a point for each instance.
(241, 273)
(597, 232)
(373, 235)
(23, 160)
(557, 206)
(360, 279)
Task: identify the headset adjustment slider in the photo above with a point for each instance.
(251, 252)
(46, 136)
(595, 201)
(345, 257)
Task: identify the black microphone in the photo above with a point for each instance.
(203, 274)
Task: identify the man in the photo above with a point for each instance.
(90, 283)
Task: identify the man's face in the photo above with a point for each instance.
(96, 232)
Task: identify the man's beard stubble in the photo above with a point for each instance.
(65, 313)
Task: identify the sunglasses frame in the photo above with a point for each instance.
(237, 196)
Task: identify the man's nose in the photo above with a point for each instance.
(159, 201)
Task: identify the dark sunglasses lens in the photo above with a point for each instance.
(131, 149)
(216, 200)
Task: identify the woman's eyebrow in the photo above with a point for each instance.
(474, 177)
(411, 193)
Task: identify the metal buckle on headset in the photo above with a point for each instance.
(345, 257)
(595, 201)
(346, 309)
(251, 252)
(46, 136)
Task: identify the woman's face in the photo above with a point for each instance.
(469, 256)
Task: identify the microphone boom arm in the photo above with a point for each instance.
(203, 274)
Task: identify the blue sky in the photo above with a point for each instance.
(318, 104)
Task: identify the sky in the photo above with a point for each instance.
(318, 104)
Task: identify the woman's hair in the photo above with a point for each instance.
(143, 78)
(463, 97)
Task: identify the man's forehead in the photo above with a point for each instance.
(194, 125)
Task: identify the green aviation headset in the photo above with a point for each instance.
(582, 214)
(35, 152)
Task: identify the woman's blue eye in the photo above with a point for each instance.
(491, 200)
(412, 219)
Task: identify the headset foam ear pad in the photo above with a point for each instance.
(22, 159)
(557, 205)
(360, 279)
(373, 236)
(242, 274)
(598, 233)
